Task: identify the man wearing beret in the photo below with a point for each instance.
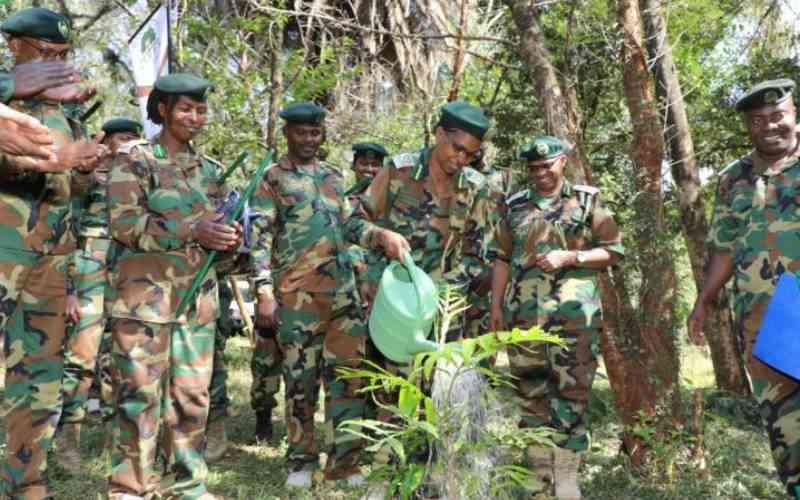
(753, 238)
(305, 290)
(85, 306)
(551, 241)
(37, 242)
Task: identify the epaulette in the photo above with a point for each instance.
(518, 196)
(471, 176)
(127, 147)
(214, 162)
(730, 166)
(405, 160)
(586, 189)
(332, 167)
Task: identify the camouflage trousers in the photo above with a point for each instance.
(34, 292)
(778, 398)
(83, 343)
(553, 385)
(266, 368)
(147, 358)
(318, 333)
(218, 389)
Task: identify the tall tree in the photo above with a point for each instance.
(641, 355)
(727, 361)
(557, 98)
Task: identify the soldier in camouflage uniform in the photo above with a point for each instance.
(305, 288)
(753, 238)
(36, 243)
(437, 203)
(162, 200)
(552, 240)
(88, 316)
(439, 206)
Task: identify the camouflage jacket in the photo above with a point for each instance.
(153, 202)
(358, 256)
(529, 224)
(92, 211)
(35, 207)
(299, 241)
(445, 234)
(756, 221)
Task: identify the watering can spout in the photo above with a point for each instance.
(422, 344)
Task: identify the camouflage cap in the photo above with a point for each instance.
(303, 113)
(176, 84)
(544, 147)
(464, 116)
(369, 149)
(119, 125)
(42, 24)
(766, 93)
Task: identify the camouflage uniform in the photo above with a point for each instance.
(321, 327)
(554, 382)
(83, 342)
(153, 204)
(218, 389)
(445, 235)
(477, 318)
(266, 368)
(756, 222)
(35, 247)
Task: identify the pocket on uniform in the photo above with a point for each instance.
(143, 299)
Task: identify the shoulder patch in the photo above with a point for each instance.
(518, 197)
(586, 189)
(405, 160)
(128, 147)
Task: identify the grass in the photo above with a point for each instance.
(739, 465)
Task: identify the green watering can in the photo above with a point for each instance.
(403, 312)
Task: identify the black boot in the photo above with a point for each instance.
(263, 425)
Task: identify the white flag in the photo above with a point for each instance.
(149, 50)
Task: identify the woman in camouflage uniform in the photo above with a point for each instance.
(162, 208)
(551, 242)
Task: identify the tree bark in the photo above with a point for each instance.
(560, 106)
(725, 355)
(640, 333)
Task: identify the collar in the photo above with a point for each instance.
(761, 167)
(422, 170)
(536, 198)
(286, 164)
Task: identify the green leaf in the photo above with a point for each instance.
(409, 399)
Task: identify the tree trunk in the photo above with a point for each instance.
(560, 107)
(727, 361)
(640, 333)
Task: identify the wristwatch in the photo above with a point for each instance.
(580, 257)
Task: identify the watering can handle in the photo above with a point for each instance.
(408, 263)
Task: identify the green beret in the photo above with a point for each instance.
(766, 93)
(176, 84)
(118, 125)
(369, 149)
(464, 116)
(544, 147)
(42, 24)
(303, 113)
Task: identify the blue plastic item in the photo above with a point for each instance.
(778, 340)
